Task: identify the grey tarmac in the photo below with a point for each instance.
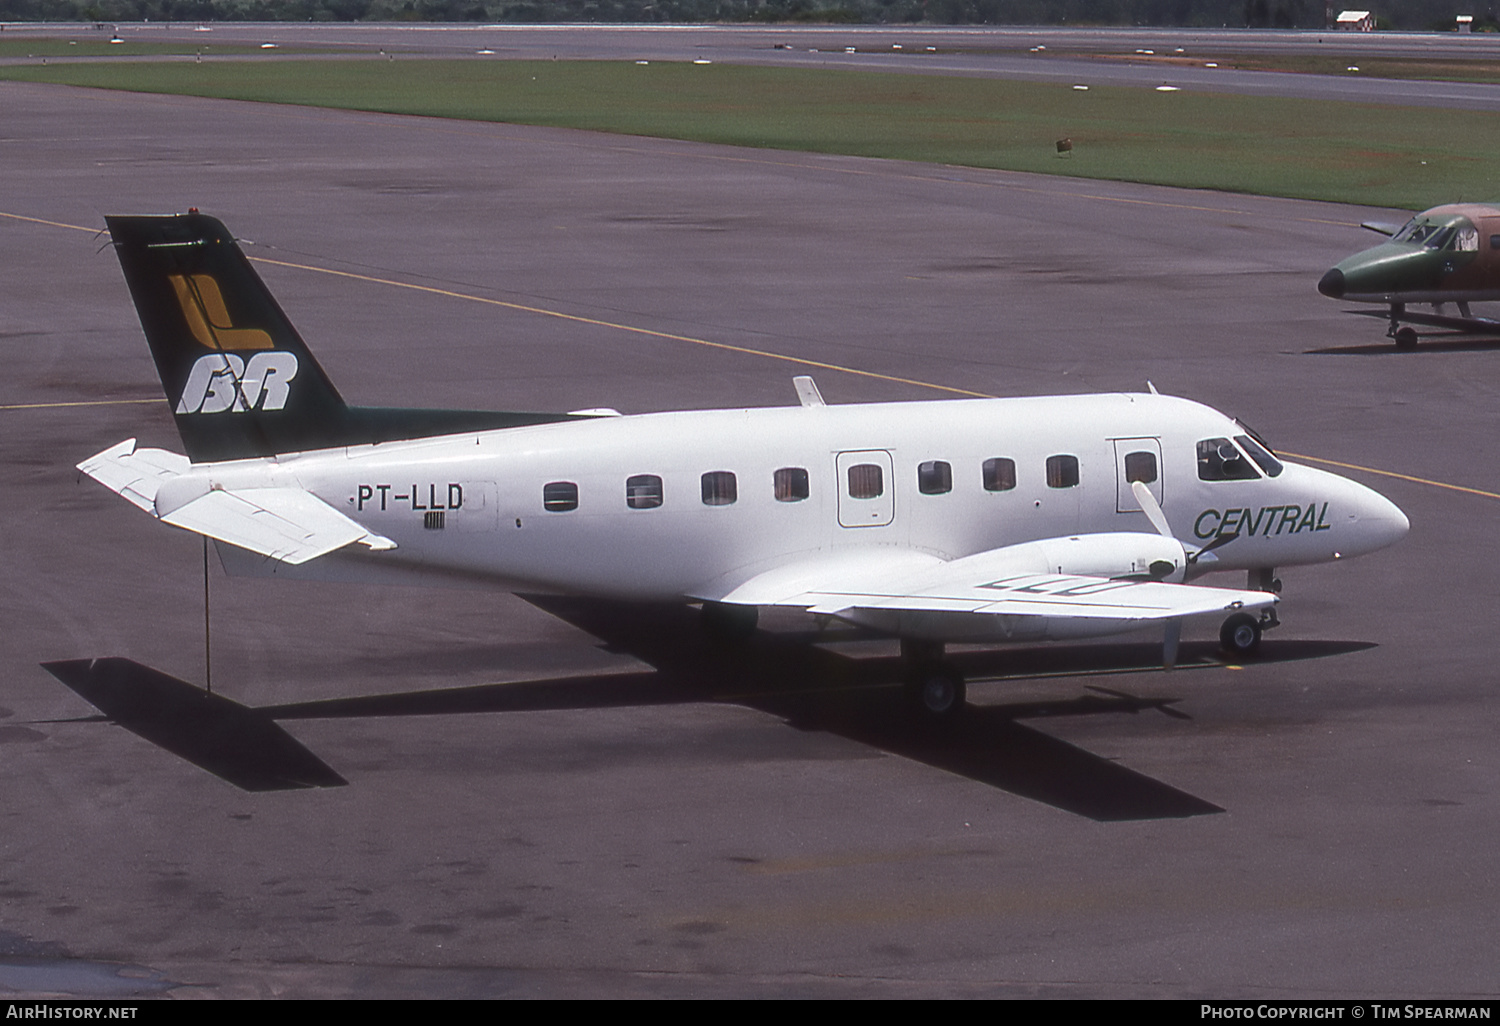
(529, 812)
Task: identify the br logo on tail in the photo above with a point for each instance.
(222, 380)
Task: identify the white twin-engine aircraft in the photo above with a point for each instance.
(1004, 520)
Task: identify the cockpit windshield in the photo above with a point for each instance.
(1456, 233)
(1262, 456)
(1259, 451)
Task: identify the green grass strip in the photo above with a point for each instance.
(1344, 152)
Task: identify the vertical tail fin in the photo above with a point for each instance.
(241, 381)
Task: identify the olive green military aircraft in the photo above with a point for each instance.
(1449, 254)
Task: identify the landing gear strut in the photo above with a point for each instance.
(1405, 336)
(934, 687)
(728, 624)
(1265, 579)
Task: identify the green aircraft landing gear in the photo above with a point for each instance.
(1405, 336)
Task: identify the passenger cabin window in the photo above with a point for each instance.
(1140, 466)
(559, 496)
(719, 488)
(643, 491)
(866, 481)
(1062, 471)
(791, 484)
(999, 474)
(935, 477)
(1219, 460)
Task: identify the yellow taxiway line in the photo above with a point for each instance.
(669, 336)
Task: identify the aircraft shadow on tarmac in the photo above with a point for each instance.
(1431, 344)
(782, 674)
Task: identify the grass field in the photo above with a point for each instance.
(1356, 153)
(1322, 63)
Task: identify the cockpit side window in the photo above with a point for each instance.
(1219, 460)
(1467, 240)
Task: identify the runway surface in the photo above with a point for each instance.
(1142, 58)
(528, 811)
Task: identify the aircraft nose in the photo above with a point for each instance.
(1380, 521)
(1332, 284)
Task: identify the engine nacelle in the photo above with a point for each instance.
(1117, 554)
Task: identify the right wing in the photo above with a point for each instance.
(1033, 579)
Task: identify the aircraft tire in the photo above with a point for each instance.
(1240, 636)
(728, 624)
(937, 691)
(1406, 338)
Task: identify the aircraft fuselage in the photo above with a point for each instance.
(692, 504)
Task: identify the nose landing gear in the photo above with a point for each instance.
(1239, 637)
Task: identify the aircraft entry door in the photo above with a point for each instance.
(867, 491)
(1136, 459)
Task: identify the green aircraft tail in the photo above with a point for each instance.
(241, 381)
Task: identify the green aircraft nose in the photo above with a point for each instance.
(1385, 271)
(1332, 284)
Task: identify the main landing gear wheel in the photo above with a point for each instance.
(937, 691)
(1240, 636)
(934, 687)
(1406, 338)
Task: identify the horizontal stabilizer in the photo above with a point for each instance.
(287, 524)
(284, 523)
(135, 473)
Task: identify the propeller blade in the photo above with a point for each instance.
(1151, 508)
(1223, 539)
(1172, 637)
